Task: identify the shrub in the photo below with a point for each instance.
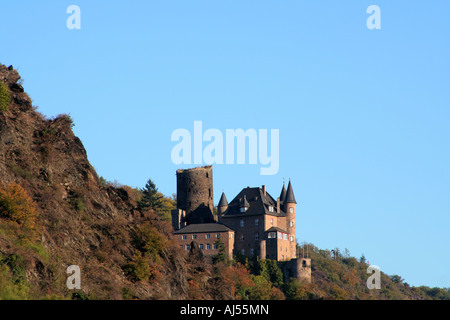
(5, 97)
(140, 269)
(16, 205)
(149, 242)
(67, 118)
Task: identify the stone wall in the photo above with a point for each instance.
(195, 188)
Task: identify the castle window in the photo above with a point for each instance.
(256, 236)
(217, 235)
(292, 238)
(215, 246)
(304, 263)
(242, 237)
(231, 235)
(280, 235)
(271, 222)
(201, 247)
(291, 223)
(243, 251)
(188, 247)
(208, 246)
(252, 251)
(270, 209)
(194, 236)
(256, 222)
(242, 223)
(208, 236)
(271, 235)
(285, 236)
(209, 190)
(207, 175)
(183, 237)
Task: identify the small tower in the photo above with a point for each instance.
(290, 207)
(222, 206)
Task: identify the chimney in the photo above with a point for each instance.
(278, 205)
(264, 189)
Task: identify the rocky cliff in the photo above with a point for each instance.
(80, 219)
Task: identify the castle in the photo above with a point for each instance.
(252, 224)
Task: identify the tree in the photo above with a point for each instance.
(362, 259)
(220, 256)
(17, 205)
(151, 198)
(396, 279)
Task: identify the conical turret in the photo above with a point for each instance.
(290, 198)
(223, 202)
(222, 206)
(283, 194)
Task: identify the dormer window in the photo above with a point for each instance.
(270, 208)
(244, 205)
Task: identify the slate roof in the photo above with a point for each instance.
(223, 202)
(274, 229)
(290, 194)
(203, 227)
(283, 194)
(258, 203)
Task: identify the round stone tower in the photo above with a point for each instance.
(195, 189)
(290, 206)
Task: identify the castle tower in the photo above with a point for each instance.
(304, 270)
(195, 194)
(195, 188)
(290, 207)
(299, 269)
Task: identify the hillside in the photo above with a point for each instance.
(55, 211)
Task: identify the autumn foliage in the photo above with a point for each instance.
(16, 205)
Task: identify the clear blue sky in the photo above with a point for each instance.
(364, 115)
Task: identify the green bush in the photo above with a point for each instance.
(5, 97)
(139, 269)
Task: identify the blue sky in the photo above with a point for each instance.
(364, 115)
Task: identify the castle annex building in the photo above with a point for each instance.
(252, 224)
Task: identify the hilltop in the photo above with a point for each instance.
(55, 211)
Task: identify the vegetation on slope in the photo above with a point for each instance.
(56, 212)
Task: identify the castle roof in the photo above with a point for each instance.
(283, 194)
(223, 202)
(290, 194)
(258, 203)
(203, 227)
